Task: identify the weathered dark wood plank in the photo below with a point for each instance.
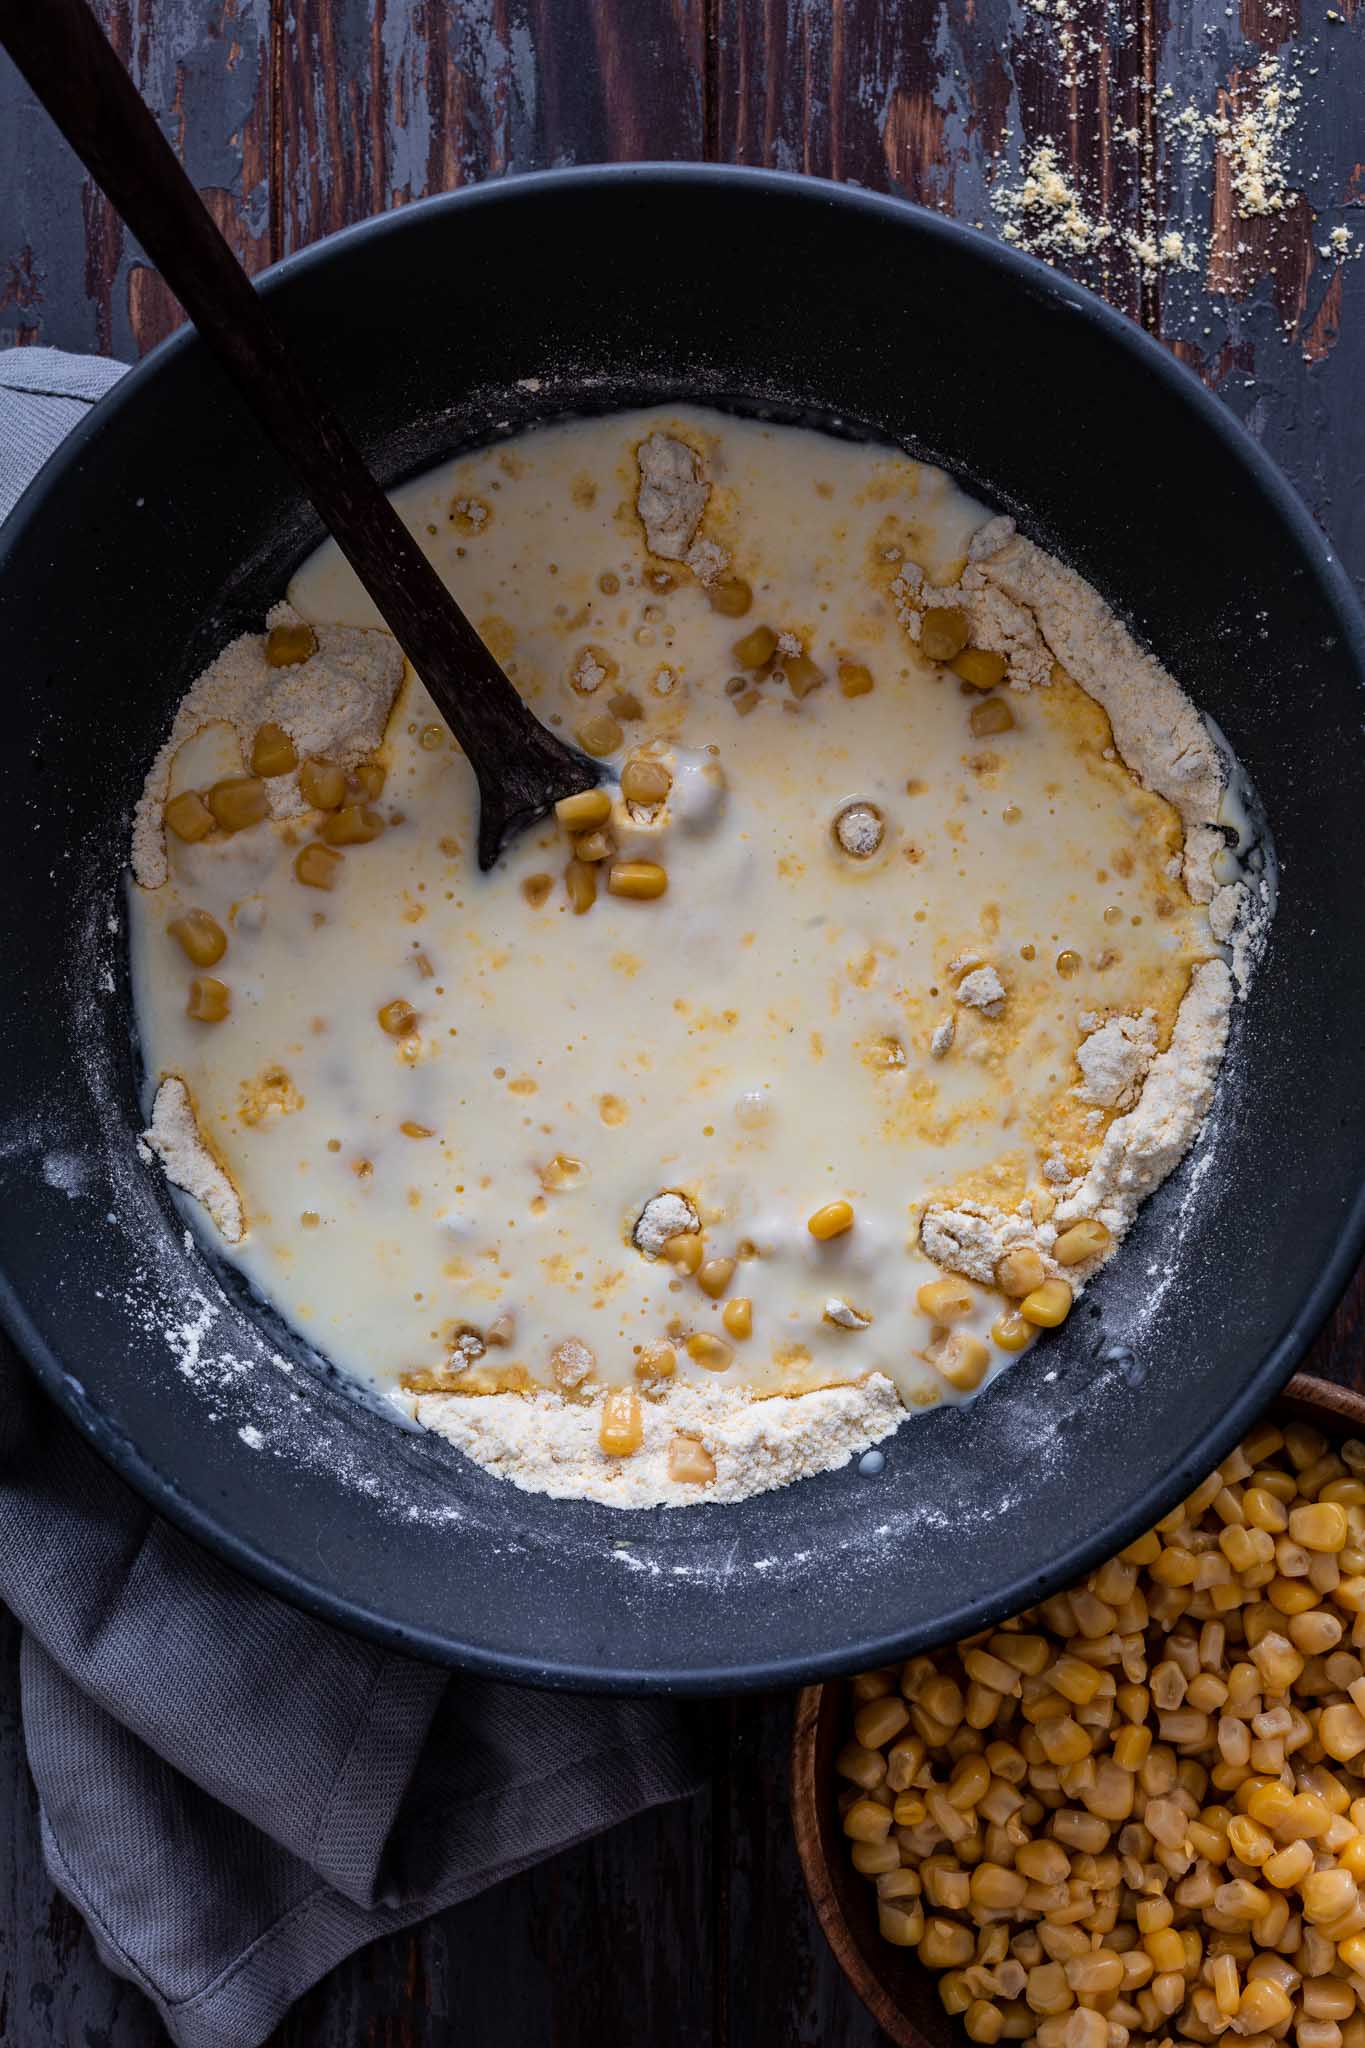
(382, 103)
(952, 108)
(609, 1942)
(69, 276)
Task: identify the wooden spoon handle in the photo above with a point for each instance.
(68, 61)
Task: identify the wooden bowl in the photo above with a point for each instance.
(901, 1996)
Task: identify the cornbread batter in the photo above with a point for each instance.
(863, 973)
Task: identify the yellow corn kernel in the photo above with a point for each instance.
(1249, 1841)
(996, 1889)
(1064, 1740)
(1048, 1305)
(352, 825)
(943, 632)
(1011, 1332)
(1075, 1680)
(854, 679)
(1227, 1989)
(656, 1361)
(945, 1300)
(580, 884)
(645, 782)
(831, 1221)
(365, 781)
(584, 810)
(714, 1276)
(599, 734)
(901, 1925)
(802, 674)
(1265, 2005)
(982, 667)
(1320, 1526)
(756, 649)
(709, 1351)
(272, 751)
(985, 2022)
(1043, 1862)
(875, 1859)
(188, 816)
(201, 937)
(1131, 1745)
(909, 1810)
(316, 866)
(866, 1820)
(209, 1000)
(285, 646)
(880, 1721)
(992, 716)
(322, 783)
(962, 1359)
(398, 1018)
(1327, 1894)
(1084, 1240)
(1165, 1948)
(1352, 1952)
(1019, 1271)
(1264, 1511)
(738, 1316)
(624, 704)
(945, 1945)
(1341, 1731)
(621, 1430)
(639, 880)
(237, 802)
(685, 1251)
(731, 596)
(593, 846)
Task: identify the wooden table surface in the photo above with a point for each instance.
(1080, 126)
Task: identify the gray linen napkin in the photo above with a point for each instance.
(233, 1794)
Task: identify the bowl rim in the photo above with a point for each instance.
(1329, 1404)
(1022, 272)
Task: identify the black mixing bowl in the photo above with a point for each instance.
(166, 525)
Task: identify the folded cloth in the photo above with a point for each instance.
(233, 1794)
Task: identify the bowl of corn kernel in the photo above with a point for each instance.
(1135, 1813)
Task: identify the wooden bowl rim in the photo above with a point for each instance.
(1329, 1404)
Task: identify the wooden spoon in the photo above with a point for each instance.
(521, 768)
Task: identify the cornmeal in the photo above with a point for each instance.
(790, 1083)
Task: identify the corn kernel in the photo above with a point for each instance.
(272, 751)
(1019, 1271)
(1320, 1526)
(738, 1316)
(943, 632)
(1048, 1305)
(709, 1351)
(1011, 1332)
(757, 648)
(593, 846)
(830, 1221)
(731, 596)
(209, 1000)
(398, 1018)
(714, 1276)
(854, 679)
(286, 646)
(188, 816)
(599, 734)
(316, 866)
(621, 1430)
(880, 1721)
(201, 937)
(237, 802)
(802, 674)
(580, 884)
(582, 811)
(945, 1300)
(961, 1358)
(352, 825)
(991, 716)
(656, 1361)
(689, 1462)
(322, 784)
(982, 667)
(645, 782)
(1084, 1240)
(685, 1251)
(639, 880)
